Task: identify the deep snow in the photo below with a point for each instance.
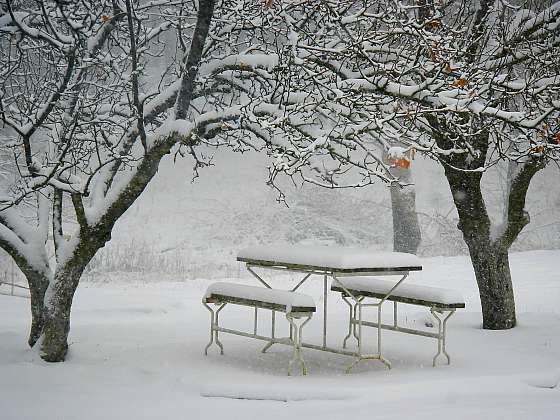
(137, 353)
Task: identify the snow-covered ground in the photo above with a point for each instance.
(136, 353)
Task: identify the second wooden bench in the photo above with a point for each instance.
(442, 303)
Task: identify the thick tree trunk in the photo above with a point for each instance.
(59, 295)
(491, 267)
(490, 259)
(54, 343)
(489, 254)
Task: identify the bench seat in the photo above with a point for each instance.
(296, 306)
(260, 297)
(442, 303)
(415, 294)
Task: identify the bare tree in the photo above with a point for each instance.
(76, 98)
(94, 94)
(468, 83)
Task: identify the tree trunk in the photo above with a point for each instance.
(490, 260)
(37, 288)
(406, 229)
(491, 267)
(54, 343)
(38, 281)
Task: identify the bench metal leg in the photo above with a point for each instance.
(357, 335)
(381, 358)
(352, 326)
(442, 330)
(260, 279)
(272, 333)
(214, 325)
(296, 342)
(325, 311)
(358, 322)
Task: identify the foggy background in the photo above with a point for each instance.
(180, 229)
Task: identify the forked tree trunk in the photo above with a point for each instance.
(59, 295)
(490, 260)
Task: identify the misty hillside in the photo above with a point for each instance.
(194, 229)
(186, 228)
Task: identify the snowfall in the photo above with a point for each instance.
(136, 352)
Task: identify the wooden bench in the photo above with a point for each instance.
(442, 303)
(294, 305)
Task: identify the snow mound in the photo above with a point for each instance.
(548, 380)
(282, 394)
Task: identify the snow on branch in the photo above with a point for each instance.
(424, 71)
(324, 87)
(22, 241)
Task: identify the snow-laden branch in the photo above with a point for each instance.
(23, 242)
(470, 74)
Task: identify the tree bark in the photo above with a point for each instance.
(37, 288)
(58, 303)
(491, 267)
(490, 260)
(54, 345)
(59, 295)
(38, 282)
(406, 229)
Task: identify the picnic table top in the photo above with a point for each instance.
(331, 259)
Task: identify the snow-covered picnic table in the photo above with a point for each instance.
(353, 271)
(338, 263)
(330, 259)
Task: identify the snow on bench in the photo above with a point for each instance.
(434, 297)
(330, 258)
(260, 297)
(442, 303)
(296, 306)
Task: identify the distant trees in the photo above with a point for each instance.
(471, 84)
(407, 235)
